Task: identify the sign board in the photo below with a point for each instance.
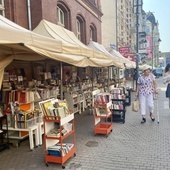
(130, 56)
(113, 46)
(123, 50)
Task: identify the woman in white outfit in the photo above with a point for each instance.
(166, 79)
(146, 87)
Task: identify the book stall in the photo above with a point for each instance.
(58, 126)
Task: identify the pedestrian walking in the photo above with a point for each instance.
(166, 79)
(146, 88)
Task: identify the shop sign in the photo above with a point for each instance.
(124, 50)
(113, 46)
(130, 56)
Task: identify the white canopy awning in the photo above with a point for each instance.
(72, 45)
(99, 47)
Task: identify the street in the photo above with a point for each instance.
(130, 146)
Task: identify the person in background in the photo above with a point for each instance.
(146, 88)
(166, 79)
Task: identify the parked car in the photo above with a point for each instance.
(158, 72)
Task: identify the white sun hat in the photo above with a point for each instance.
(145, 67)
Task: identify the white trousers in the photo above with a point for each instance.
(146, 102)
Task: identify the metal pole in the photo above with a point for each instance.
(108, 81)
(137, 41)
(152, 47)
(117, 37)
(116, 28)
(61, 83)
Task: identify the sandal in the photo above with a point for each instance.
(143, 120)
(152, 117)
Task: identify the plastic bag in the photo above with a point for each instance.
(135, 106)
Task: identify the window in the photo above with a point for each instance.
(60, 16)
(1, 12)
(2, 9)
(93, 32)
(80, 29)
(63, 15)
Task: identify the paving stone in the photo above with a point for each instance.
(130, 146)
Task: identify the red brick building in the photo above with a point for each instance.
(83, 17)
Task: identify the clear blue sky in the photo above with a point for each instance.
(160, 9)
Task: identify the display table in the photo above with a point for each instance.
(17, 133)
(40, 131)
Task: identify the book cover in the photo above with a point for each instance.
(22, 97)
(97, 111)
(103, 100)
(47, 105)
(61, 112)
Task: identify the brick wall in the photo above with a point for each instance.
(16, 11)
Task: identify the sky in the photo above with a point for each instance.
(160, 9)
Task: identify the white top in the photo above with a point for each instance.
(166, 79)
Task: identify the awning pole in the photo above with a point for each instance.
(61, 83)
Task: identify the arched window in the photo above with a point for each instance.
(80, 28)
(93, 32)
(60, 16)
(2, 9)
(63, 15)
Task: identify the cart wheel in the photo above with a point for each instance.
(63, 167)
(47, 164)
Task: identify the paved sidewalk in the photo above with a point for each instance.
(130, 146)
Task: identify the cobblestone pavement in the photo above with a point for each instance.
(130, 146)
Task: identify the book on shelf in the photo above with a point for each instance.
(102, 111)
(61, 112)
(46, 106)
(32, 96)
(62, 103)
(22, 97)
(52, 111)
(68, 127)
(54, 108)
(29, 114)
(97, 111)
(37, 95)
(54, 133)
(103, 99)
(64, 132)
(60, 149)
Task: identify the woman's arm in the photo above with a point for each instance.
(155, 86)
(137, 91)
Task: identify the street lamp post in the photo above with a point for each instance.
(137, 37)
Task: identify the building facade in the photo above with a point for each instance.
(153, 39)
(117, 24)
(83, 17)
(142, 37)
